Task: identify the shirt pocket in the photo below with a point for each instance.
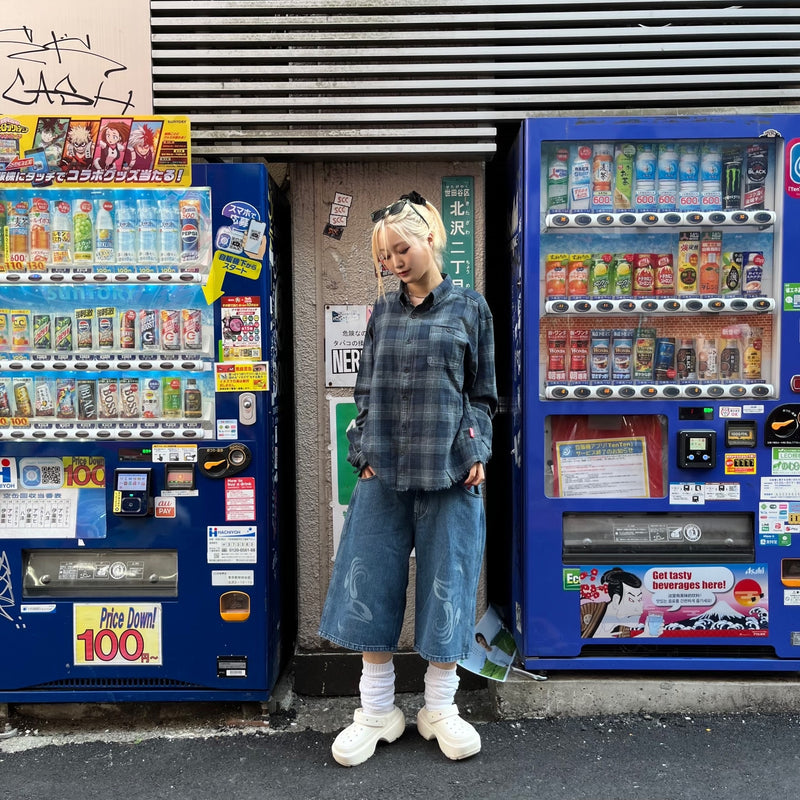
(446, 347)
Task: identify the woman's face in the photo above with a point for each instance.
(112, 136)
(410, 259)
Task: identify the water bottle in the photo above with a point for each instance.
(147, 252)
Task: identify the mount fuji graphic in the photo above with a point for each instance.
(722, 617)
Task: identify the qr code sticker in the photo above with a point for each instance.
(42, 473)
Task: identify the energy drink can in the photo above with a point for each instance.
(170, 329)
(20, 330)
(127, 330)
(23, 407)
(63, 334)
(65, 398)
(148, 329)
(108, 397)
(755, 176)
(129, 398)
(105, 327)
(84, 324)
(732, 178)
(191, 329)
(44, 404)
(42, 332)
(87, 400)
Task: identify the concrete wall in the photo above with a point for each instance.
(330, 271)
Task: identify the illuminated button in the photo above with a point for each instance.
(693, 391)
(627, 305)
(560, 306)
(737, 391)
(626, 391)
(583, 305)
(716, 217)
(582, 391)
(693, 305)
(672, 218)
(583, 219)
(627, 219)
(760, 390)
(604, 391)
(649, 219)
(716, 305)
(605, 219)
(740, 217)
(650, 305)
(694, 218)
(671, 391)
(560, 220)
(604, 305)
(559, 392)
(672, 305)
(716, 391)
(761, 305)
(648, 391)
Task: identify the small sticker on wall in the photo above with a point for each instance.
(337, 218)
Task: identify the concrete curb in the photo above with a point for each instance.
(596, 694)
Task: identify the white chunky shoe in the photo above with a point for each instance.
(356, 743)
(456, 737)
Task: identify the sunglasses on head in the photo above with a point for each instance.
(411, 199)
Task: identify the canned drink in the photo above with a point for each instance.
(42, 332)
(20, 330)
(148, 329)
(664, 364)
(4, 335)
(108, 397)
(39, 235)
(127, 330)
(17, 240)
(65, 398)
(151, 399)
(43, 393)
(189, 210)
(63, 334)
(105, 327)
(87, 400)
(732, 161)
(170, 329)
(129, 398)
(5, 401)
(22, 397)
(84, 324)
(192, 329)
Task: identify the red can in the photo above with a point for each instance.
(192, 329)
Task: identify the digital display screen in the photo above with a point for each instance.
(132, 481)
(697, 443)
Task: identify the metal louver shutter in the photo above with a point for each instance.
(418, 78)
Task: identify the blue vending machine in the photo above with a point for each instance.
(656, 417)
(140, 550)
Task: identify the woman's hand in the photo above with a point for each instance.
(476, 475)
(367, 472)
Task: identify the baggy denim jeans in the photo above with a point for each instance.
(366, 599)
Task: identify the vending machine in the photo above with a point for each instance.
(656, 417)
(140, 550)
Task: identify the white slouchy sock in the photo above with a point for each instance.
(377, 687)
(440, 688)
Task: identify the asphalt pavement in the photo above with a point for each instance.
(227, 754)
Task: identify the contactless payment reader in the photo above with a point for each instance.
(697, 449)
(133, 492)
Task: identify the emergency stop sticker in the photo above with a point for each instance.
(116, 634)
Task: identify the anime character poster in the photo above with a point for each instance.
(79, 145)
(50, 135)
(142, 145)
(648, 602)
(111, 143)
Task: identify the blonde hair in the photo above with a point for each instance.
(412, 221)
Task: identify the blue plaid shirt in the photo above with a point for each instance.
(425, 390)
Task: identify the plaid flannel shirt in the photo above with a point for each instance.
(425, 390)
